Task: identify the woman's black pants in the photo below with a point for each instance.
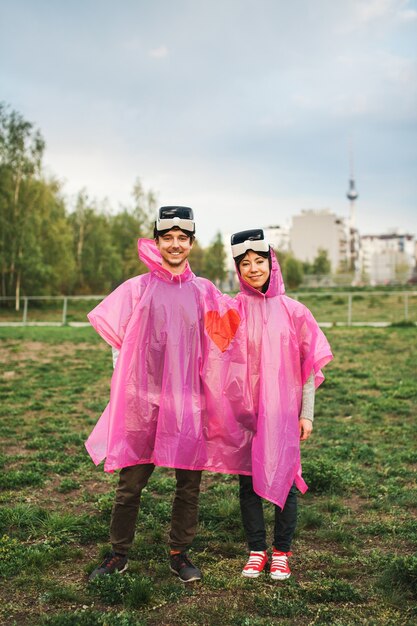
(253, 518)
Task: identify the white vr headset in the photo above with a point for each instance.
(170, 222)
(257, 245)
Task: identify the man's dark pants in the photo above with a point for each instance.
(184, 517)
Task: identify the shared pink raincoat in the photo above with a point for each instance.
(170, 330)
(285, 345)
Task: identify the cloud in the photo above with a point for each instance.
(159, 53)
(409, 15)
(222, 104)
(372, 10)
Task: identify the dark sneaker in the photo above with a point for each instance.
(112, 563)
(182, 567)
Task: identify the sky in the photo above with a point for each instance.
(244, 110)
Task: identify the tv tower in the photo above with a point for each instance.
(353, 235)
(352, 195)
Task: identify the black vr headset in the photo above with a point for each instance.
(248, 240)
(175, 216)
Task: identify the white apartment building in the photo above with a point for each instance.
(313, 230)
(278, 237)
(388, 258)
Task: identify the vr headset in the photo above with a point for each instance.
(170, 216)
(249, 240)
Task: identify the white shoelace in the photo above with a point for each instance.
(255, 560)
(279, 562)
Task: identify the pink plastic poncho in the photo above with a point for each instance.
(285, 345)
(169, 329)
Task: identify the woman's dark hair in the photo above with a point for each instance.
(265, 255)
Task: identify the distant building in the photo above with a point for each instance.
(278, 237)
(313, 230)
(388, 258)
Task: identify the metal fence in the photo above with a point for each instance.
(331, 308)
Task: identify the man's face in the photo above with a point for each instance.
(175, 247)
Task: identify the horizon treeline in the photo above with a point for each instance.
(51, 246)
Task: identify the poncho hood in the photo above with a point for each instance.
(151, 257)
(276, 285)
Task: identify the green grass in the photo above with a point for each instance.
(354, 551)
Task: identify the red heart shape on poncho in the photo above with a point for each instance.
(222, 328)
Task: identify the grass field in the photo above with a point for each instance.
(355, 559)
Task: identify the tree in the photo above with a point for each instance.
(291, 268)
(125, 229)
(48, 242)
(214, 260)
(293, 272)
(134, 221)
(321, 264)
(99, 263)
(307, 267)
(21, 151)
(197, 259)
(402, 267)
(144, 208)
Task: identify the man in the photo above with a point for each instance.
(170, 328)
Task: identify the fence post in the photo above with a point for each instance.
(349, 319)
(406, 306)
(64, 311)
(25, 311)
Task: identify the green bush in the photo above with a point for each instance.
(400, 575)
(324, 476)
(309, 518)
(132, 591)
(68, 484)
(16, 557)
(165, 485)
(366, 454)
(22, 518)
(56, 592)
(403, 324)
(12, 556)
(140, 593)
(15, 479)
(333, 591)
(105, 503)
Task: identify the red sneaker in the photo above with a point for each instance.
(255, 564)
(279, 565)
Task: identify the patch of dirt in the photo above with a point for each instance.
(356, 503)
(42, 352)
(9, 374)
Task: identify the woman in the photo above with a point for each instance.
(286, 350)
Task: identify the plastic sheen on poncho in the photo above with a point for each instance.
(285, 345)
(169, 328)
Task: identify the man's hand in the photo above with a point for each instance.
(306, 428)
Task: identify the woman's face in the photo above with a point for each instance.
(254, 269)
